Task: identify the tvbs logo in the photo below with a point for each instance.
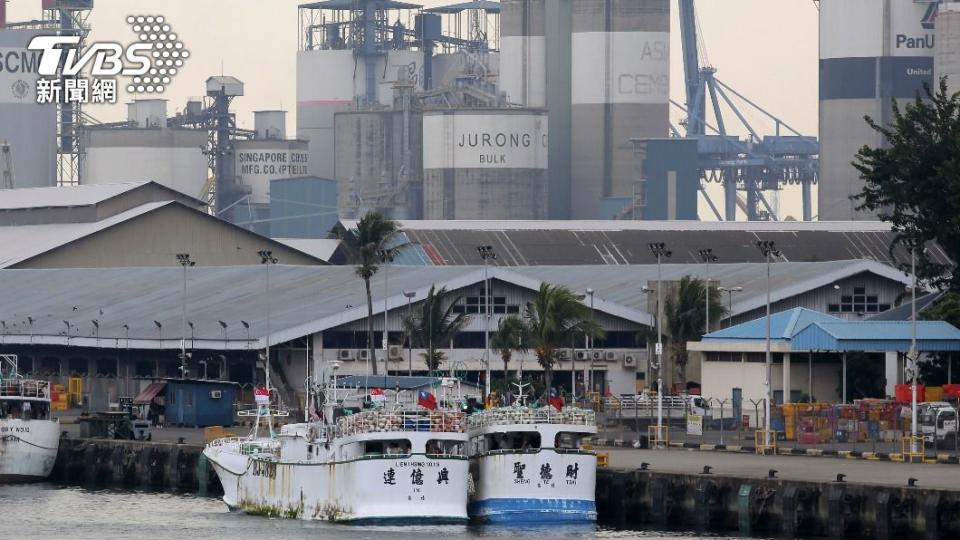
(73, 73)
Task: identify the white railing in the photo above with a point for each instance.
(643, 402)
(525, 415)
(381, 421)
(26, 388)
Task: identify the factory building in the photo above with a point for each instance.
(318, 317)
(121, 225)
(146, 150)
(28, 130)
(947, 58)
(871, 52)
(268, 156)
(302, 207)
(485, 164)
(667, 182)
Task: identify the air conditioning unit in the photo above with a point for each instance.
(395, 352)
(583, 355)
(216, 394)
(563, 354)
(345, 354)
(610, 356)
(364, 354)
(630, 360)
(596, 355)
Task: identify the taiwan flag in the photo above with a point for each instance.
(426, 400)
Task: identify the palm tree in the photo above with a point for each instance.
(685, 318)
(511, 335)
(369, 243)
(552, 318)
(432, 324)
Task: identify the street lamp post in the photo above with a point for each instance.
(267, 259)
(487, 254)
(659, 250)
(386, 257)
(730, 291)
(769, 249)
(913, 348)
(707, 256)
(184, 260)
(587, 371)
(409, 295)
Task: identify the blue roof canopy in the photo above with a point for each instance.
(783, 326)
(877, 336)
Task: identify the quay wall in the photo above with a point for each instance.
(774, 507)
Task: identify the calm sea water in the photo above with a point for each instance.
(42, 510)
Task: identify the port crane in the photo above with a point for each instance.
(748, 166)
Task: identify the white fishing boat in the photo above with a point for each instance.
(29, 439)
(532, 465)
(396, 463)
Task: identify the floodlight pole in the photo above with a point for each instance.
(486, 253)
(659, 250)
(707, 256)
(184, 260)
(267, 259)
(769, 249)
(913, 348)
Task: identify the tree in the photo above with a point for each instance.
(913, 181)
(434, 324)
(368, 244)
(511, 335)
(685, 317)
(936, 370)
(552, 318)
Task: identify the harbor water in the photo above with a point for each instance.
(47, 510)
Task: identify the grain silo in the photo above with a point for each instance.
(947, 58)
(28, 128)
(485, 164)
(266, 157)
(146, 149)
(620, 89)
(871, 52)
(523, 67)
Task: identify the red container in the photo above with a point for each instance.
(952, 390)
(904, 393)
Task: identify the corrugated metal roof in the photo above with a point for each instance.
(20, 243)
(321, 248)
(50, 197)
(904, 312)
(876, 336)
(783, 326)
(308, 299)
(632, 225)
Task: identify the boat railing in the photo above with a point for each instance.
(25, 388)
(525, 415)
(384, 421)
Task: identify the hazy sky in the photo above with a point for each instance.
(766, 49)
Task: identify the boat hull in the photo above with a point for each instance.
(539, 487)
(28, 449)
(384, 489)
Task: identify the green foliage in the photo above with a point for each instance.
(913, 181)
(552, 318)
(511, 335)
(935, 371)
(367, 244)
(433, 324)
(685, 317)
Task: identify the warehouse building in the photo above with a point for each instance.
(118, 225)
(120, 328)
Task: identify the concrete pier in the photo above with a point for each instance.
(134, 464)
(668, 489)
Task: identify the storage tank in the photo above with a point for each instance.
(947, 58)
(620, 89)
(261, 160)
(379, 163)
(523, 61)
(871, 52)
(148, 150)
(28, 127)
(485, 164)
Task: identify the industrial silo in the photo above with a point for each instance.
(344, 63)
(485, 164)
(28, 128)
(146, 149)
(871, 52)
(266, 157)
(947, 58)
(523, 58)
(620, 89)
(379, 163)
